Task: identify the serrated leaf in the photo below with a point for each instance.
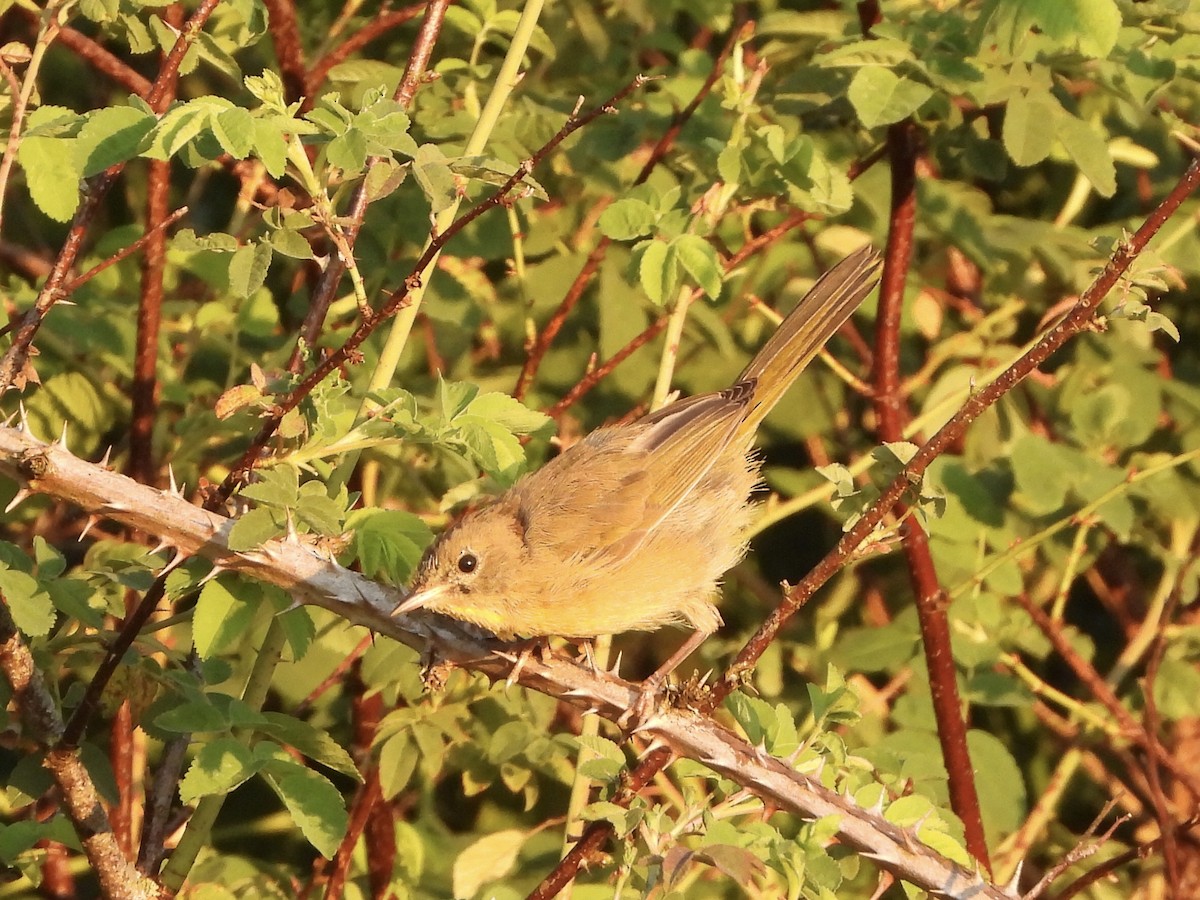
(220, 766)
(383, 178)
(508, 413)
(1086, 146)
(192, 716)
(254, 528)
(299, 629)
(388, 542)
(279, 487)
(52, 174)
(234, 131)
(495, 448)
(315, 806)
(699, 259)
(224, 611)
(29, 605)
(433, 174)
(397, 763)
(488, 859)
(111, 135)
(316, 509)
(248, 268)
(312, 742)
(881, 97)
(291, 243)
(270, 144)
(659, 272)
(1030, 122)
(626, 219)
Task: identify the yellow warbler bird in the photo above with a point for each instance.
(631, 528)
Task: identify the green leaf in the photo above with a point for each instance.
(508, 412)
(494, 447)
(279, 487)
(193, 716)
(224, 611)
(659, 272)
(488, 859)
(270, 144)
(432, 171)
(1090, 25)
(111, 135)
(312, 742)
(220, 766)
(316, 509)
(248, 267)
(388, 543)
(315, 806)
(626, 219)
(699, 259)
(234, 131)
(27, 602)
(1088, 148)
(1030, 122)
(384, 177)
(255, 528)
(600, 758)
(881, 97)
(291, 243)
(52, 174)
(1002, 797)
(397, 762)
(298, 627)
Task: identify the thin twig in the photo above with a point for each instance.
(401, 295)
(125, 252)
(1070, 325)
(327, 285)
(12, 365)
(541, 345)
(384, 21)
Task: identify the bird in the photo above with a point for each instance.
(632, 527)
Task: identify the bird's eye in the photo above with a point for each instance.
(468, 562)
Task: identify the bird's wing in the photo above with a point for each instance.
(598, 502)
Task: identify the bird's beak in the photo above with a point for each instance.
(419, 600)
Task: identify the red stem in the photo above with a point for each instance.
(1070, 325)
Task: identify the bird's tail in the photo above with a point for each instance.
(802, 334)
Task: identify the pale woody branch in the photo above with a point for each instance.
(313, 578)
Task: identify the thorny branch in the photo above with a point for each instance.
(12, 365)
(314, 578)
(400, 296)
(1071, 324)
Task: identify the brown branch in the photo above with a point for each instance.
(602, 371)
(129, 629)
(1071, 324)
(96, 189)
(327, 284)
(289, 53)
(400, 296)
(148, 236)
(40, 716)
(1104, 694)
(144, 390)
(1110, 865)
(891, 409)
(312, 577)
(537, 352)
(384, 21)
(104, 62)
